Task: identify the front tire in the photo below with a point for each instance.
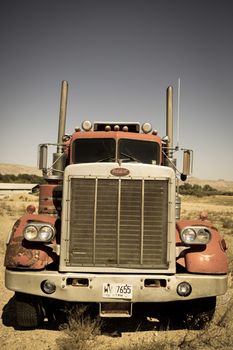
(29, 310)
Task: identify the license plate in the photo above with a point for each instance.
(117, 290)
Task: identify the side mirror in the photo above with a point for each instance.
(187, 164)
(43, 156)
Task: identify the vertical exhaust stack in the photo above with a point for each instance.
(169, 161)
(59, 157)
(169, 125)
(62, 115)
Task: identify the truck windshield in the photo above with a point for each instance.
(139, 151)
(94, 150)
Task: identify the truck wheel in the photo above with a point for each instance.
(198, 313)
(29, 311)
(8, 313)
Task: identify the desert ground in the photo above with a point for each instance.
(219, 335)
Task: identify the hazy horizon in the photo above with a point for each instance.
(118, 57)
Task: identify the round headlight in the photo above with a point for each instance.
(203, 235)
(45, 233)
(188, 235)
(30, 233)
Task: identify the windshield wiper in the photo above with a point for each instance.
(129, 157)
(107, 159)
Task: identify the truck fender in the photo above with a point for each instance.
(23, 254)
(210, 258)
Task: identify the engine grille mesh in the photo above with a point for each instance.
(119, 223)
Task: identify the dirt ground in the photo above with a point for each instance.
(221, 330)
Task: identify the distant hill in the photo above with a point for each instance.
(16, 169)
(221, 185)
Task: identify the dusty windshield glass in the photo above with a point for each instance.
(139, 151)
(94, 150)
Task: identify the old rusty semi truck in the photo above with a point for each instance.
(108, 228)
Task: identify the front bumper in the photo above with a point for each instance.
(144, 290)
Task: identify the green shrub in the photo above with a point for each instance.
(199, 191)
(21, 178)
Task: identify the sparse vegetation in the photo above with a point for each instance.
(80, 330)
(81, 333)
(21, 178)
(201, 191)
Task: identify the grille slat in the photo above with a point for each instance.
(119, 223)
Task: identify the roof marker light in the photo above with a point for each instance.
(86, 125)
(146, 128)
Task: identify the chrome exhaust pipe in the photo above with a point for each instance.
(62, 114)
(169, 124)
(59, 158)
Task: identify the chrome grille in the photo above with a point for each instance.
(119, 223)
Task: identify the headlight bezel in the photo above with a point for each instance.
(39, 226)
(202, 235)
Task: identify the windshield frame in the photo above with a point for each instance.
(116, 157)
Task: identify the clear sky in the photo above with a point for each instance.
(118, 56)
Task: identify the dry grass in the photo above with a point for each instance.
(15, 205)
(81, 330)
